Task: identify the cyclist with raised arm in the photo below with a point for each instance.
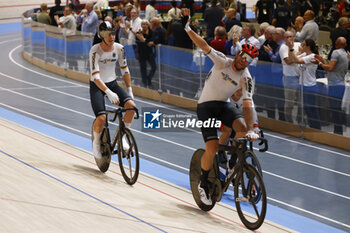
(225, 78)
(103, 58)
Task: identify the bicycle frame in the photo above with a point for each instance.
(118, 113)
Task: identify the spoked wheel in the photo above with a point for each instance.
(251, 159)
(195, 174)
(128, 157)
(252, 214)
(103, 163)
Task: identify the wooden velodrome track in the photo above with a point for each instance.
(50, 186)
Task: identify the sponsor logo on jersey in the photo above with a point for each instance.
(227, 78)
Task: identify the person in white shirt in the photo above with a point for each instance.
(225, 78)
(290, 79)
(134, 26)
(310, 29)
(248, 33)
(67, 20)
(307, 70)
(150, 11)
(174, 12)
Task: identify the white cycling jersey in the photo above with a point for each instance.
(102, 64)
(222, 81)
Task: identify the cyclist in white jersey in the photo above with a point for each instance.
(225, 78)
(103, 57)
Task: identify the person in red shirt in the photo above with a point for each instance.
(220, 38)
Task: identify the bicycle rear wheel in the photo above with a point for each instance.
(252, 214)
(195, 174)
(128, 157)
(103, 163)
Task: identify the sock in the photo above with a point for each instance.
(204, 177)
(127, 125)
(96, 136)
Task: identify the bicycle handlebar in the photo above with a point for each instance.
(244, 141)
(120, 110)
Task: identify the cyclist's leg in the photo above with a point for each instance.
(240, 127)
(125, 101)
(98, 106)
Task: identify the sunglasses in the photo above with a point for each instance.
(246, 56)
(107, 33)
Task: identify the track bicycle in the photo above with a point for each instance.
(128, 155)
(249, 189)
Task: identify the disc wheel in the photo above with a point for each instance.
(103, 163)
(195, 174)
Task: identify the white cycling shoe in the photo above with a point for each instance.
(125, 143)
(205, 198)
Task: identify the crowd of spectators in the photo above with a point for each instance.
(279, 21)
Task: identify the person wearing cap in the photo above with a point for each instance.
(225, 78)
(103, 58)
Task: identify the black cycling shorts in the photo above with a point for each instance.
(97, 96)
(226, 112)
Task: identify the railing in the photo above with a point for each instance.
(182, 72)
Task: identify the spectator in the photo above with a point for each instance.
(88, 18)
(308, 50)
(278, 36)
(290, 79)
(220, 38)
(43, 16)
(336, 69)
(158, 31)
(230, 19)
(281, 16)
(343, 30)
(291, 6)
(233, 37)
(150, 11)
(269, 42)
(261, 33)
(188, 4)
(56, 10)
(136, 4)
(174, 12)
(146, 53)
(298, 23)
(101, 4)
(310, 29)
(248, 33)
(127, 12)
(212, 17)
(169, 36)
(67, 20)
(181, 38)
(263, 11)
(134, 27)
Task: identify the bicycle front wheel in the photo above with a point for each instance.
(248, 185)
(128, 156)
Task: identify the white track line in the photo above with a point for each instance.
(163, 106)
(182, 168)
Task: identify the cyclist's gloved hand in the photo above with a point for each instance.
(130, 92)
(252, 135)
(256, 129)
(186, 19)
(113, 97)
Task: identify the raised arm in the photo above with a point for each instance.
(199, 41)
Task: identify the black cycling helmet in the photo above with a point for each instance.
(105, 29)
